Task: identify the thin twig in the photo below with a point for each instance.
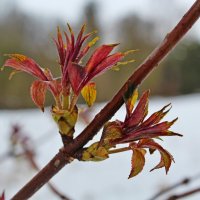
(62, 157)
(185, 194)
(185, 181)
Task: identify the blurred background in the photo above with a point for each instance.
(28, 28)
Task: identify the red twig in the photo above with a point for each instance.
(60, 159)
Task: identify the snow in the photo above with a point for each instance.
(105, 180)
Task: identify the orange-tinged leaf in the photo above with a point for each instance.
(163, 126)
(38, 92)
(140, 111)
(89, 93)
(22, 63)
(138, 161)
(166, 157)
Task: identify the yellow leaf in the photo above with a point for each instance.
(89, 93)
(132, 100)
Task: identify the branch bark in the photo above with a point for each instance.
(152, 61)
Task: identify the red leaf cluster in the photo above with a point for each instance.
(73, 74)
(140, 133)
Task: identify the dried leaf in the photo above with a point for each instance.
(89, 93)
(138, 161)
(38, 92)
(76, 76)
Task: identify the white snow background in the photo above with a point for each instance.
(105, 180)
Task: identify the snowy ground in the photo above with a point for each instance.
(106, 180)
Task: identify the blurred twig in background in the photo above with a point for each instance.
(185, 181)
(21, 145)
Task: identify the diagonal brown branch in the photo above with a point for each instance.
(60, 160)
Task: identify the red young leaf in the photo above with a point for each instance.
(78, 43)
(163, 126)
(77, 76)
(38, 92)
(72, 36)
(140, 111)
(138, 161)
(60, 47)
(107, 63)
(149, 132)
(23, 63)
(156, 117)
(98, 56)
(55, 87)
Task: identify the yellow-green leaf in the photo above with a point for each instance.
(95, 153)
(65, 120)
(89, 93)
(138, 161)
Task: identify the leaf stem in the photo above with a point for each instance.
(119, 150)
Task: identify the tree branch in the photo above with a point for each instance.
(61, 159)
